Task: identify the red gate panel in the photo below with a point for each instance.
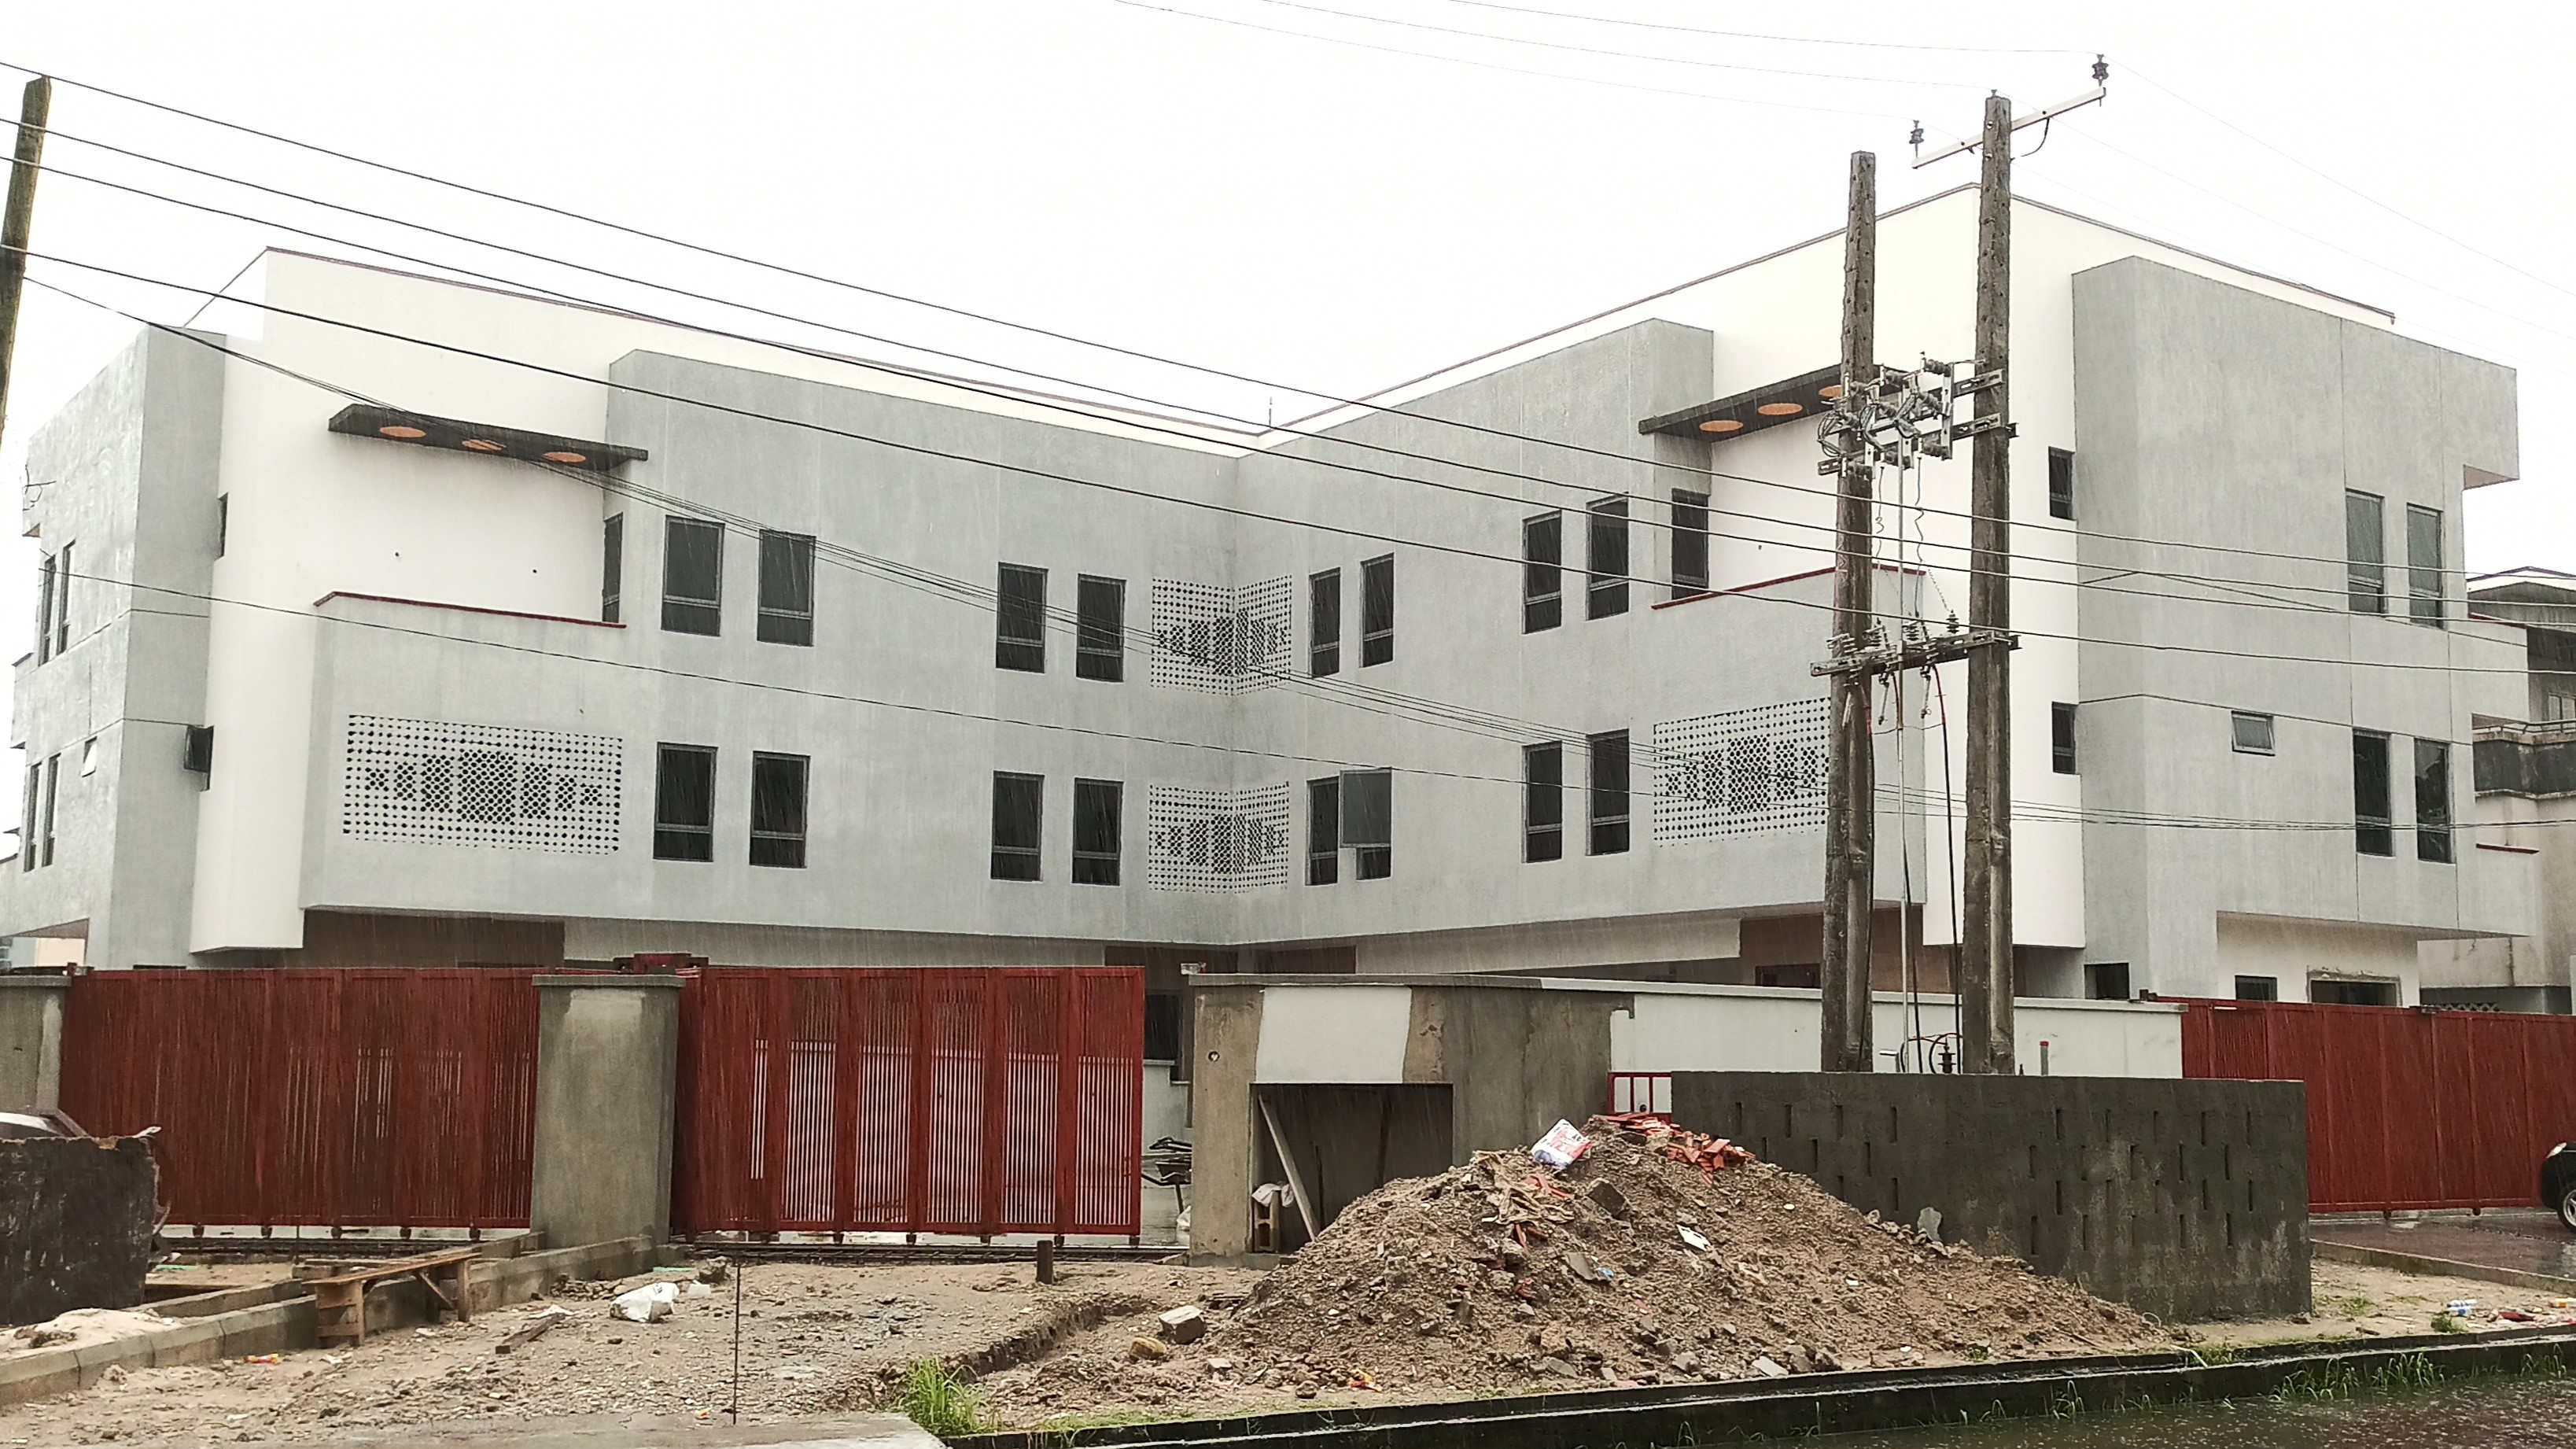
(2407, 1108)
(324, 1098)
(945, 1100)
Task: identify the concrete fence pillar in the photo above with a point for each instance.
(31, 1041)
(608, 1065)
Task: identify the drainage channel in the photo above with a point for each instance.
(1839, 1403)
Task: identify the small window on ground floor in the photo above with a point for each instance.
(2258, 988)
(2353, 993)
(2106, 980)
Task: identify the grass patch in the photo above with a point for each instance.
(2211, 1355)
(933, 1396)
(2309, 1386)
(2445, 1323)
(2355, 1307)
(2414, 1371)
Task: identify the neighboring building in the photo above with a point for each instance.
(2526, 783)
(791, 660)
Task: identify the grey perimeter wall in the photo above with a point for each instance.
(2186, 1199)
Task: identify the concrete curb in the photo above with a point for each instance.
(2334, 1252)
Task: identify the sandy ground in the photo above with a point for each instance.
(821, 1339)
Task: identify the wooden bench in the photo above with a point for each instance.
(340, 1301)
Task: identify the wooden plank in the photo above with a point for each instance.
(1288, 1164)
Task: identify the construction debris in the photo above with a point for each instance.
(535, 1329)
(1184, 1324)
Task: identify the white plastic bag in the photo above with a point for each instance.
(648, 1304)
(1561, 1145)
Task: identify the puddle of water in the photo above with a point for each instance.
(2478, 1412)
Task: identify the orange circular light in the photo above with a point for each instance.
(482, 445)
(1722, 425)
(560, 457)
(1830, 391)
(406, 434)
(1781, 410)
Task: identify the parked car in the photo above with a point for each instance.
(2558, 1183)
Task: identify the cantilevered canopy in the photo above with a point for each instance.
(365, 420)
(1803, 396)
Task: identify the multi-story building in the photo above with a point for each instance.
(424, 623)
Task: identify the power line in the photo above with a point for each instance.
(1778, 39)
(1181, 500)
(2032, 526)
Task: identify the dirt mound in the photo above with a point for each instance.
(1626, 1267)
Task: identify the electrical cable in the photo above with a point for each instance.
(1777, 39)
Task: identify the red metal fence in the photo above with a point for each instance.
(2407, 1108)
(974, 1101)
(334, 1098)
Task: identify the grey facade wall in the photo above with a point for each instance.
(608, 1069)
(2187, 1199)
(126, 475)
(2209, 415)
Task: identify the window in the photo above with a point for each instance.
(2250, 733)
(778, 810)
(684, 803)
(2370, 794)
(223, 521)
(53, 788)
(2433, 801)
(1368, 822)
(612, 566)
(2424, 565)
(1609, 792)
(1163, 1026)
(2061, 738)
(44, 613)
(1019, 625)
(1324, 623)
(1543, 809)
(2365, 554)
(2353, 993)
(692, 576)
(1100, 632)
(198, 754)
(2258, 988)
(1019, 809)
(1377, 611)
(2106, 980)
(2061, 483)
(1690, 543)
(1095, 832)
(1323, 830)
(786, 589)
(89, 756)
(1607, 560)
(27, 817)
(62, 601)
(1542, 572)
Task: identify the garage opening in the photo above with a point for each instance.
(1319, 1149)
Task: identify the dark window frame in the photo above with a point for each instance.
(1367, 797)
(1606, 793)
(1605, 558)
(2114, 975)
(53, 801)
(1377, 610)
(612, 568)
(2374, 831)
(780, 816)
(1690, 543)
(676, 836)
(2365, 551)
(786, 596)
(27, 815)
(1324, 623)
(63, 576)
(2061, 483)
(2238, 719)
(2061, 738)
(1100, 633)
(1324, 831)
(1543, 802)
(1095, 854)
(683, 613)
(1019, 845)
(1542, 572)
(2433, 818)
(44, 608)
(1019, 618)
(2247, 988)
(223, 523)
(2425, 602)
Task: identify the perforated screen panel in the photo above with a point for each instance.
(1219, 640)
(486, 785)
(1740, 771)
(1216, 840)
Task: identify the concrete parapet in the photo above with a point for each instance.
(608, 1052)
(31, 1041)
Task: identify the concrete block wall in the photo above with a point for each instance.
(2185, 1199)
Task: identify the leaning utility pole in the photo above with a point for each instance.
(33, 110)
(1851, 773)
(1985, 982)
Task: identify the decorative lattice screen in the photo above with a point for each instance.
(1219, 640)
(1213, 840)
(1740, 771)
(488, 785)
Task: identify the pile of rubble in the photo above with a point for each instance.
(1655, 1256)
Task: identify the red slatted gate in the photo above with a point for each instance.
(970, 1100)
(2407, 1108)
(326, 1098)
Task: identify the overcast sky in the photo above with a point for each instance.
(1297, 195)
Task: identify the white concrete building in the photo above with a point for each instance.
(784, 660)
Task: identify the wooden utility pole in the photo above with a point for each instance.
(1986, 927)
(33, 110)
(1851, 767)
